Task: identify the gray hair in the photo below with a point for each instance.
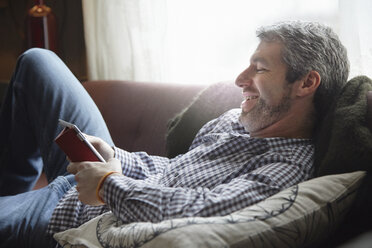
(311, 46)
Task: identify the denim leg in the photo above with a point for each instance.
(42, 90)
(24, 218)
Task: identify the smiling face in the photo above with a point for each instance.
(266, 92)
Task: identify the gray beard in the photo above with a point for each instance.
(264, 115)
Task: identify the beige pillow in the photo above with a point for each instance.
(299, 216)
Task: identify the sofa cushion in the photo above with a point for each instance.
(300, 216)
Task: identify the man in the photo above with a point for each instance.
(236, 160)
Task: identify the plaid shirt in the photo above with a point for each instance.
(225, 170)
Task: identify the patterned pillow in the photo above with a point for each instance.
(302, 215)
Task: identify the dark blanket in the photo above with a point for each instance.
(344, 144)
(344, 141)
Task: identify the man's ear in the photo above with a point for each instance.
(309, 84)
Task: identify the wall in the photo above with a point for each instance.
(70, 32)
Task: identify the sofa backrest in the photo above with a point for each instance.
(137, 113)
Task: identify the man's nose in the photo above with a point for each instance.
(245, 78)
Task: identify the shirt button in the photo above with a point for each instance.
(212, 156)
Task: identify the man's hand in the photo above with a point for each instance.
(88, 175)
(106, 151)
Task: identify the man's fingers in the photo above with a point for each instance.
(92, 139)
(75, 167)
(72, 168)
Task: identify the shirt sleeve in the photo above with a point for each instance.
(137, 200)
(140, 165)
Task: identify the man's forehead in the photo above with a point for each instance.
(267, 52)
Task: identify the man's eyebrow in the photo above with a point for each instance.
(262, 60)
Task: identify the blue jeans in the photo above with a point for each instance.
(42, 90)
(25, 217)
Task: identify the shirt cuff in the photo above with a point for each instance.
(120, 155)
(108, 188)
(126, 160)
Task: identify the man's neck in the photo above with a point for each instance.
(289, 127)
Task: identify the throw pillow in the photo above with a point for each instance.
(300, 216)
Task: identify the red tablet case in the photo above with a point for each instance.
(75, 148)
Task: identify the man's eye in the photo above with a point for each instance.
(260, 70)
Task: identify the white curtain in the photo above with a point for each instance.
(356, 33)
(205, 41)
(125, 39)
